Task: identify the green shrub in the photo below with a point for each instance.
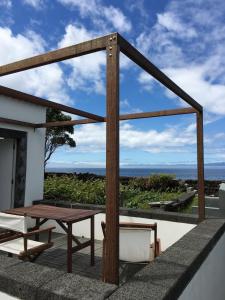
(155, 182)
(161, 182)
(92, 191)
(74, 190)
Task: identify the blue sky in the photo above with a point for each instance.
(185, 39)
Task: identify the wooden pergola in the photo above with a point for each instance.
(113, 44)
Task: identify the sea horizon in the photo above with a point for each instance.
(185, 173)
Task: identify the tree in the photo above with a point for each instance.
(57, 136)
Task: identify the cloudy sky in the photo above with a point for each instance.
(186, 39)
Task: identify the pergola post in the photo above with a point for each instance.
(111, 257)
(200, 165)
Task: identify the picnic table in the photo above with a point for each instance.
(65, 217)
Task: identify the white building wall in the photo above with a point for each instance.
(208, 282)
(23, 111)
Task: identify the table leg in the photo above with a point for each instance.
(37, 227)
(92, 241)
(69, 248)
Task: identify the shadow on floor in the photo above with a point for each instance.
(56, 257)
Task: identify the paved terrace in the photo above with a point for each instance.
(52, 265)
(56, 258)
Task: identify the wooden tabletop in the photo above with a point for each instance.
(53, 212)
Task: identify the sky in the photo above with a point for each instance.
(185, 39)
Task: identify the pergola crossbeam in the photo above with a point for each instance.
(162, 113)
(46, 103)
(150, 68)
(16, 122)
(80, 49)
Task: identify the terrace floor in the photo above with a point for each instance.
(56, 257)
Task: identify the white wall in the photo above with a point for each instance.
(168, 232)
(15, 109)
(208, 282)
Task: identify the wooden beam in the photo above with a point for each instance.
(65, 123)
(46, 103)
(111, 257)
(16, 122)
(150, 68)
(200, 165)
(80, 49)
(162, 113)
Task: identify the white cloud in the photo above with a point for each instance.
(138, 6)
(92, 137)
(126, 107)
(172, 23)
(146, 80)
(87, 71)
(37, 4)
(192, 79)
(187, 43)
(117, 18)
(16, 47)
(100, 14)
(6, 3)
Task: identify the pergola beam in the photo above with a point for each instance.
(66, 123)
(150, 68)
(16, 122)
(80, 49)
(46, 103)
(162, 113)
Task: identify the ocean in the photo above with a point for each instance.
(211, 173)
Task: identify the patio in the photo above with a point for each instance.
(56, 258)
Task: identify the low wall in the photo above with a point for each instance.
(168, 232)
(171, 226)
(187, 270)
(208, 282)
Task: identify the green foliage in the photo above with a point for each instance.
(188, 209)
(92, 191)
(142, 199)
(74, 190)
(57, 136)
(155, 182)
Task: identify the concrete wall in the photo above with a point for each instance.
(15, 109)
(169, 232)
(208, 282)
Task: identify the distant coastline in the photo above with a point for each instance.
(212, 172)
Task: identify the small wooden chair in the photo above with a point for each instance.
(135, 242)
(15, 238)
